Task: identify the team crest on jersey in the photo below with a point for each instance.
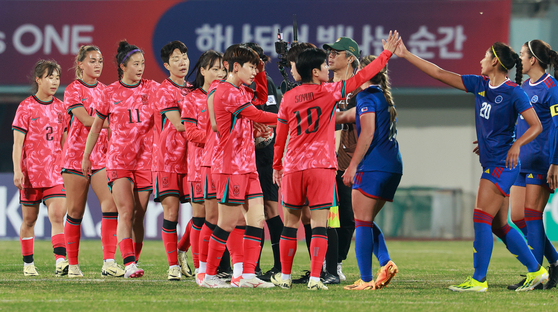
(534, 99)
(60, 117)
(499, 99)
(198, 188)
(236, 190)
(364, 109)
(165, 181)
(144, 99)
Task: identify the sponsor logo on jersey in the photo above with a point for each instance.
(481, 93)
(203, 110)
(364, 109)
(530, 176)
(117, 102)
(499, 99)
(487, 171)
(554, 110)
(84, 99)
(534, 99)
(35, 118)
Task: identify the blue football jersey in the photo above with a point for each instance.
(535, 155)
(383, 153)
(496, 111)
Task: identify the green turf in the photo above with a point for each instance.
(426, 270)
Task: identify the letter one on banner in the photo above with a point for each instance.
(67, 41)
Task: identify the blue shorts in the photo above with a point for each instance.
(502, 177)
(377, 184)
(525, 178)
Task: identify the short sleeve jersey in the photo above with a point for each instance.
(535, 155)
(496, 111)
(80, 94)
(43, 124)
(172, 145)
(130, 112)
(309, 110)
(383, 153)
(195, 112)
(234, 151)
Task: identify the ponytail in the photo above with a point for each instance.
(507, 59)
(382, 79)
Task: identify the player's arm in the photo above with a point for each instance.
(19, 138)
(450, 78)
(211, 111)
(260, 96)
(367, 128)
(81, 114)
(249, 111)
(193, 134)
(344, 117)
(282, 132)
(92, 138)
(535, 128)
(174, 117)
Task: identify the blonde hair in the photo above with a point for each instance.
(382, 79)
(82, 53)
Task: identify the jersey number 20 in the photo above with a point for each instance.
(485, 110)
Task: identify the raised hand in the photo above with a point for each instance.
(392, 41)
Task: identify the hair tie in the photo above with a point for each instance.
(533, 53)
(130, 53)
(493, 51)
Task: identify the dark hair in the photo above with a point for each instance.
(82, 53)
(256, 47)
(239, 53)
(207, 59)
(382, 79)
(124, 52)
(41, 68)
(169, 48)
(507, 59)
(544, 54)
(296, 49)
(307, 61)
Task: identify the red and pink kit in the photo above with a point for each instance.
(130, 111)
(234, 108)
(43, 124)
(307, 112)
(195, 114)
(81, 94)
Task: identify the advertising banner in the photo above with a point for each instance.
(452, 34)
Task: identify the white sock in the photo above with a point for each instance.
(315, 279)
(248, 276)
(60, 260)
(202, 267)
(26, 264)
(285, 276)
(108, 260)
(237, 269)
(172, 266)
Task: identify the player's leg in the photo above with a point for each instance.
(517, 201)
(77, 187)
(55, 201)
(171, 205)
(198, 219)
(347, 223)
(275, 227)
(124, 198)
(29, 214)
(235, 245)
(109, 223)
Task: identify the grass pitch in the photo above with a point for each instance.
(426, 270)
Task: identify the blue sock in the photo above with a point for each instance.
(364, 244)
(521, 225)
(483, 243)
(380, 248)
(535, 233)
(517, 246)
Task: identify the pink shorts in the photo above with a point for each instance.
(209, 188)
(140, 178)
(237, 188)
(196, 192)
(34, 196)
(318, 186)
(174, 184)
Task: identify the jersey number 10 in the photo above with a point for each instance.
(311, 123)
(485, 110)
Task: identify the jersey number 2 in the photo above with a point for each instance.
(485, 110)
(311, 122)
